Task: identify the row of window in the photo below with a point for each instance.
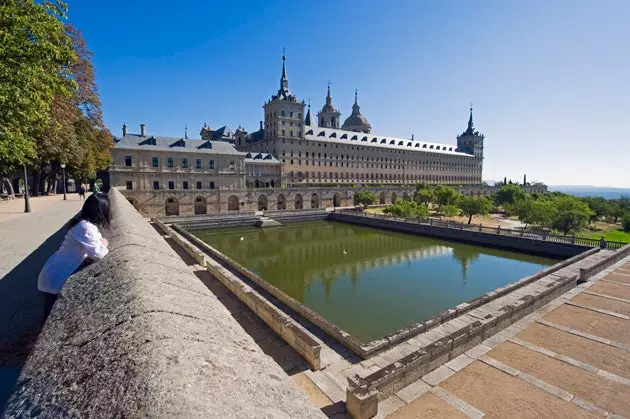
(171, 185)
(384, 176)
(383, 159)
(170, 162)
(283, 113)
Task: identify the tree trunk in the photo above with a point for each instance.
(38, 183)
(9, 187)
(470, 219)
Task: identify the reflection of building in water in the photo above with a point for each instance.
(296, 257)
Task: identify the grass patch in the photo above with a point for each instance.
(612, 235)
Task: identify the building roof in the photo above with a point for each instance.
(174, 144)
(261, 158)
(340, 136)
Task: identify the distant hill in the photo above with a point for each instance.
(587, 190)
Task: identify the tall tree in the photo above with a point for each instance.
(474, 206)
(35, 53)
(571, 215)
(73, 133)
(445, 195)
(365, 198)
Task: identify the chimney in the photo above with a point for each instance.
(411, 137)
(124, 130)
(261, 127)
(142, 130)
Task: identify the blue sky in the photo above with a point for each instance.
(550, 80)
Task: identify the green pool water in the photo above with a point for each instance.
(370, 282)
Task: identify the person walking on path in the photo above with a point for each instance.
(82, 241)
(82, 192)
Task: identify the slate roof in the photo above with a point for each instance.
(261, 158)
(340, 136)
(174, 144)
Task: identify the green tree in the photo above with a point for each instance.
(365, 198)
(571, 214)
(615, 211)
(407, 209)
(450, 210)
(445, 195)
(509, 195)
(474, 206)
(424, 196)
(539, 212)
(35, 53)
(625, 222)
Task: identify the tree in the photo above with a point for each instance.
(365, 198)
(75, 134)
(450, 211)
(424, 196)
(34, 56)
(539, 212)
(445, 195)
(474, 206)
(571, 215)
(625, 222)
(509, 195)
(407, 209)
(615, 211)
(601, 207)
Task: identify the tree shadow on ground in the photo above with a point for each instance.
(22, 312)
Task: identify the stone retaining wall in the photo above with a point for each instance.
(137, 334)
(286, 327)
(519, 244)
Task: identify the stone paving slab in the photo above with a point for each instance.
(615, 306)
(536, 368)
(610, 395)
(591, 322)
(428, 406)
(613, 289)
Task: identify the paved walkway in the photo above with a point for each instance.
(569, 359)
(26, 241)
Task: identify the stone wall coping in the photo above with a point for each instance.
(137, 334)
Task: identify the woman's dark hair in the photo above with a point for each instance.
(96, 210)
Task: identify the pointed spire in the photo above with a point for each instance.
(328, 95)
(356, 92)
(284, 70)
(470, 120)
(283, 92)
(185, 131)
(309, 120)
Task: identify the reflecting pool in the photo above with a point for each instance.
(370, 282)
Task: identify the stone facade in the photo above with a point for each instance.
(319, 152)
(158, 203)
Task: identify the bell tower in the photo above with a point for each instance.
(329, 116)
(284, 115)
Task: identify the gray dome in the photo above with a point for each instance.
(356, 120)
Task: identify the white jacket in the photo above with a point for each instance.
(82, 241)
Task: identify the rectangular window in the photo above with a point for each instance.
(211, 185)
(185, 185)
(129, 185)
(198, 164)
(170, 162)
(291, 114)
(282, 132)
(155, 162)
(171, 184)
(156, 184)
(232, 164)
(198, 185)
(128, 161)
(211, 164)
(184, 163)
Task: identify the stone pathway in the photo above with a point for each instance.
(26, 241)
(571, 358)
